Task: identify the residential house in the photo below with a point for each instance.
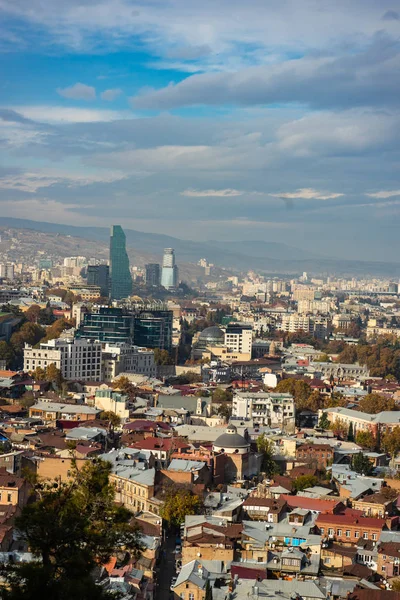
(349, 529)
(319, 455)
(264, 509)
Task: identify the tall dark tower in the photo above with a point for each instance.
(120, 275)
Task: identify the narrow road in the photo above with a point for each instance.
(166, 569)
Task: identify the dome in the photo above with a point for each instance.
(212, 334)
(231, 439)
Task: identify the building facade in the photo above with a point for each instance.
(121, 279)
(76, 359)
(153, 328)
(272, 409)
(99, 275)
(108, 325)
(169, 275)
(153, 274)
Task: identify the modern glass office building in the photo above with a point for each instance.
(153, 274)
(109, 325)
(99, 275)
(121, 279)
(169, 276)
(153, 329)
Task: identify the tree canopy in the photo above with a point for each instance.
(376, 403)
(180, 502)
(266, 447)
(304, 481)
(366, 440)
(70, 528)
(361, 464)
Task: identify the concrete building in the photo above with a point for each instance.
(238, 338)
(126, 358)
(316, 326)
(109, 400)
(267, 408)
(76, 359)
(153, 274)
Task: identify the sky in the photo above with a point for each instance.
(274, 120)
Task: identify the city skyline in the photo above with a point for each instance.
(206, 121)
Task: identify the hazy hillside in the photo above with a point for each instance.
(269, 257)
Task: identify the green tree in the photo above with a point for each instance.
(391, 441)
(361, 464)
(55, 330)
(324, 422)
(209, 592)
(299, 389)
(27, 400)
(304, 481)
(7, 353)
(366, 440)
(225, 411)
(221, 395)
(124, 385)
(266, 447)
(350, 433)
(29, 333)
(71, 528)
(109, 415)
(180, 502)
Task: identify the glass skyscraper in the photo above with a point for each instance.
(120, 275)
(99, 275)
(169, 275)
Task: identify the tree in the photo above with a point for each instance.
(39, 374)
(339, 428)
(361, 464)
(376, 403)
(209, 592)
(221, 395)
(348, 356)
(366, 440)
(54, 375)
(391, 441)
(162, 357)
(299, 388)
(350, 433)
(304, 481)
(109, 415)
(55, 330)
(7, 353)
(266, 447)
(27, 400)
(33, 312)
(180, 502)
(395, 585)
(225, 411)
(324, 422)
(124, 385)
(29, 333)
(70, 529)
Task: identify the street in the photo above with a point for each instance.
(166, 569)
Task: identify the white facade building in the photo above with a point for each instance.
(76, 359)
(267, 408)
(239, 338)
(169, 273)
(125, 358)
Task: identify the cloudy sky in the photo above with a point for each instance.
(271, 120)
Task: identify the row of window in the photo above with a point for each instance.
(339, 533)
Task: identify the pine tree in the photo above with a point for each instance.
(350, 434)
(209, 592)
(324, 422)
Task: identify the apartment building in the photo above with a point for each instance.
(109, 400)
(77, 359)
(126, 358)
(320, 455)
(347, 528)
(379, 423)
(268, 408)
(238, 338)
(316, 326)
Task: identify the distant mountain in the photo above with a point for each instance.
(269, 257)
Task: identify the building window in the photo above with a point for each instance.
(8, 497)
(348, 533)
(327, 561)
(357, 534)
(365, 535)
(331, 531)
(339, 532)
(191, 596)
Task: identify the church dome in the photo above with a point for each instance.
(231, 441)
(212, 334)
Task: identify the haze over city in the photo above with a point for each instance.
(206, 120)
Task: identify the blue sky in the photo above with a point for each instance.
(222, 119)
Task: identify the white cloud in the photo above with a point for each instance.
(384, 194)
(78, 91)
(32, 182)
(64, 114)
(308, 194)
(227, 193)
(111, 94)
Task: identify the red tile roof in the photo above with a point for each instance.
(156, 443)
(323, 506)
(369, 522)
(144, 425)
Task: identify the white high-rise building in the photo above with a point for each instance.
(169, 275)
(77, 359)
